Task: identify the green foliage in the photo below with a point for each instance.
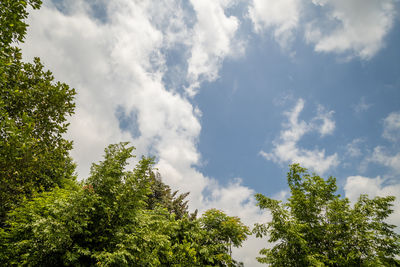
(37, 229)
(12, 16)
(33, 109)
(161, 196)
(12, 30)
(33, 154)
(223, 232)
(106, 221)
(316, 227)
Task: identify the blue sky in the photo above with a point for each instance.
(227, 93)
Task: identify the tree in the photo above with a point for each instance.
(161, 195)
(34, 156)
(102, 221)
(223, 232)
(106, 221)
(12, 16)
(316, 227)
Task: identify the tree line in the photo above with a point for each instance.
(122, 217)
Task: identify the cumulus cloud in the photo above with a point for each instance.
(351, 28)
(286, 148)
(391, 124)
(77, 57)
(213, 39)
(282, 17)
(355, 27)
(357, 185)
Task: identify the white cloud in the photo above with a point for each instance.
(77, 57)
(357, 185)
(385, 155)
(391, 124)
(350, 28)
(362, 106)
(358, 27)
(353, 149)
(286, 147)
(120, 63)
(328, 124)
(281, 16)
(381, 156)
(213, 39)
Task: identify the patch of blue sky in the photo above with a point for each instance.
(174, 78)
(128, 121)
(97, 9)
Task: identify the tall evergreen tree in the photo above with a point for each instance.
(162, 195)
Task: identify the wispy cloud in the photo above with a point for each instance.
(391, 127)
(353, 149)
(362, 106)
(286, 148)
(382, 156)
(385, 155)
(356, 185)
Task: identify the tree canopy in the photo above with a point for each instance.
(317, 227)
(106, 220)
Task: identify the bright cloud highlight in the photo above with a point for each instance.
(280, 16)
(213, 40)
(356, 27)
(351, 28)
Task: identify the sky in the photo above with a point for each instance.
(225, 94)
